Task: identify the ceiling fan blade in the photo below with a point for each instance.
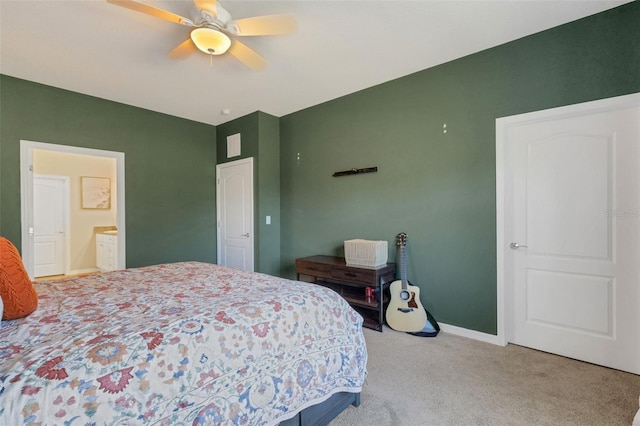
(153, 11)
(247, 56)
(265, 25)
(208, 5)
(183, 50)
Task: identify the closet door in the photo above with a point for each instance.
(235, 214)
(572, 230)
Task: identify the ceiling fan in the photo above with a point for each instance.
(212, 25)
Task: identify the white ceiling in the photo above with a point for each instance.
(340, 47)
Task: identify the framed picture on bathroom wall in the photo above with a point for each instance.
(96, 192)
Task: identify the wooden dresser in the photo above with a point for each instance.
(352, 283)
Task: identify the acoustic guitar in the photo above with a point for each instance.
(405, 312)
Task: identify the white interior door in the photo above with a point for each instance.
(235, 214)
(50, 195)
(572, 232)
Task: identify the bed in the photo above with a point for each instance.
(181, 343)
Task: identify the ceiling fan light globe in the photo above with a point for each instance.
(210, 41)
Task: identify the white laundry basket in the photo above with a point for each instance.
(366, 253)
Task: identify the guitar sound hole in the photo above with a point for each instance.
(404, 295)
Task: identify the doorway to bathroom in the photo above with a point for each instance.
(81, 165)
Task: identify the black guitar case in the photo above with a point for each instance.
(431, 328)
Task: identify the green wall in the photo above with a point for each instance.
(260, 139)
(440, 187)
(169, 166)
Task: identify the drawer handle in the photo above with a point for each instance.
(350, 274)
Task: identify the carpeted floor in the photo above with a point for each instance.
(451, 380)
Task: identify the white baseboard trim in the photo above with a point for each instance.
(471, 334)
(83, 271)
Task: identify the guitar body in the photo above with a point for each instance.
(405, 311)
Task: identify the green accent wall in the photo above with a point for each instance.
(260, 139)
(439, 187)
(169, 166)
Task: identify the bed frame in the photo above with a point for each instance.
(321, 414)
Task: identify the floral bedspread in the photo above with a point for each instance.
(184, 343)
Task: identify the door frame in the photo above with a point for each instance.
(26, 195)
(504, 269)
(66, 221)
(220, 166)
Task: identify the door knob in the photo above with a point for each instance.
(515, 246)
(246, 235)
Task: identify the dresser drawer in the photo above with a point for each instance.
(365, 277)
(313, 269)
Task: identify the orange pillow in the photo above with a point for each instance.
(16, 289)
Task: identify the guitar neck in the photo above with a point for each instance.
(403, 267)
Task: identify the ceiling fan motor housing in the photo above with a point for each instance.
(203, 17)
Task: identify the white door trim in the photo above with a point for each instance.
(26, 195)
(243, 161)
(66, 220)
(503, 211)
